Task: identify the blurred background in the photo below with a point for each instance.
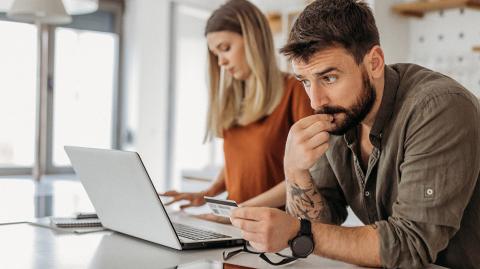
(131, 75)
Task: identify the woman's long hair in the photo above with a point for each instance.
(227, 104)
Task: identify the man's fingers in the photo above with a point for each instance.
(258, 246)
(211, 217)
(248, 225)
(252, 237)
(307, 121)
(249, 213)
(317, 140)
(316, 128)
(320, 150)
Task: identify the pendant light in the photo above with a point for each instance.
(39, 11)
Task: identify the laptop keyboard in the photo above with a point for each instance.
(196, 234)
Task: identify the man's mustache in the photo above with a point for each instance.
(330, 110)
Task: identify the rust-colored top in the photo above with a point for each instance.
(254, 153)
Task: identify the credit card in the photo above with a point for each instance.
(220, 207)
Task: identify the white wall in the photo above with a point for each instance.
(394, 31)
(145, 44)
(443, 41)
(145, 80)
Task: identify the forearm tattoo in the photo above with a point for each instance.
(305, 202)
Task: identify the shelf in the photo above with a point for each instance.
(419, 8)
(275, 22)
(476, 48)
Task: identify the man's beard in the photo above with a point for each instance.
(355, 114)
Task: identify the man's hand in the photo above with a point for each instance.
(267, 229)
(211, 217)
(307, 141)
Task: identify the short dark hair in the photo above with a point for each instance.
(329, 23)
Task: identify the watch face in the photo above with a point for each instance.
(302, 246)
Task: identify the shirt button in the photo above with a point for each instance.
(429, 192)
(367, 193)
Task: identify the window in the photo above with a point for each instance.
(83, 90)
(18, 69)
(81, 100)
(191, 158)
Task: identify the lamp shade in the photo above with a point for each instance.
(78, 7)
(5, 5)
(40, 11)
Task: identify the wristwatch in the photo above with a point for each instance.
(302, 245)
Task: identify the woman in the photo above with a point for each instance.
(252, 106)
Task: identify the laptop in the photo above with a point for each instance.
(126, 201)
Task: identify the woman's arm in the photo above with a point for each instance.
(196, 198)
(218, 186)
(275, 197)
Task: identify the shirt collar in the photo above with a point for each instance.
(385, 110)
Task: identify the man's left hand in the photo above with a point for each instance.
(267, 229)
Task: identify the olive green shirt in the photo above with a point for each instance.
(420, 189)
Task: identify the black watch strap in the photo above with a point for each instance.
(305, 227)
(303, 245)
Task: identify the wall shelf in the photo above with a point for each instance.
(419, 8)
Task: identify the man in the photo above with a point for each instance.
(399, 144)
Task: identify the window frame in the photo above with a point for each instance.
(43, 147)
(118, 104)
(19, 170)
(174, 6)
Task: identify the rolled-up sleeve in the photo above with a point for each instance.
(327, 186)
(438, 174)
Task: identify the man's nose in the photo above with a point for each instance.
(318, 99)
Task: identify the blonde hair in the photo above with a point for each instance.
(227, 105)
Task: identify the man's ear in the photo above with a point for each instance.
(374, 61)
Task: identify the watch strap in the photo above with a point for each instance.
(305, 227)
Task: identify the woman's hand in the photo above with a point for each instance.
(195, 198)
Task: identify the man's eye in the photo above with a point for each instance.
(225, 49)
(330, 79)
(306, 83)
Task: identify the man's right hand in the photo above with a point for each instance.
(307, 141)
(195, 198)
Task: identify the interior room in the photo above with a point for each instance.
(133, 75)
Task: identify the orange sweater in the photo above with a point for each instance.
(254, 153)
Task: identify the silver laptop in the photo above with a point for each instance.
(126, 201)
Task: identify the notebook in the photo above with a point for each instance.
(75, 222)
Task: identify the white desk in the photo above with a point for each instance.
(27, 246)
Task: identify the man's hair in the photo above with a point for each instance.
(329, 23)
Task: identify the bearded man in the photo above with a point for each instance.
(399, 144)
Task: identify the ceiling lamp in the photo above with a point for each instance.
(78, 7)
(39, 11)
(47, 11)
(5, 5)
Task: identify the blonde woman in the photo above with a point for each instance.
(252, 107)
